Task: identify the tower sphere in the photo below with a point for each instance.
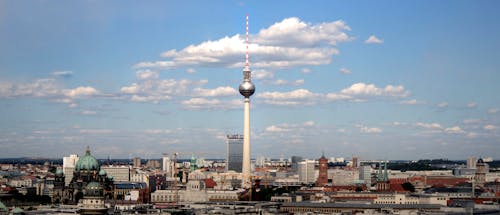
(247, 89)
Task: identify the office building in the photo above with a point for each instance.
(234, 152)
(69, 167)
(306, 171)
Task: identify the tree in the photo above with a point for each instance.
(408, 186)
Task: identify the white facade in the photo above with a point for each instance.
(407, 199)
(119, 173)
(365, 174)
(195, 192)
(306, 171)
(167, 166)
(69, 164)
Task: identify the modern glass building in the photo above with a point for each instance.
(234, 149)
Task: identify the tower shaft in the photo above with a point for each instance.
(246, 145)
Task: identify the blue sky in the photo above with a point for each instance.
(375, 79)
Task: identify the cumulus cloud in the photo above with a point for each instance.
(362, 91)
(355, 93)
(219, 91)
(454, 130)
(288, 43)
(345, 71)
(442, 104)
(81, 92)
(295, 97)
(429, 125)
(493, 110)
(48, 88)
(306, 71)
(411, 102)
(156, 90)
(262, 74)
(373, 40)
(282, 82)
(147, 74)
(285, 127)
(472, 105)
(190, 70)
(370, 130)
(211, 104)
(489, 127)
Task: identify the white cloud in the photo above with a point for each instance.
(190, 70)
(96, 131)
(355, 93)
(81, 92)
(454, 130)
(443, 104)
(282, 82)
(63, 73)
(370, 130)
(489, 127)
(262, 74)
(88, 112)
(472, 105)
(309, 123)
(156, 90)
(362, 91)
(306, 71)
(493, 110)
(295, 97)
(373, 40)
(285, 127)
(211, 104)
(288, 43)
(345, 71)
(219, 91)
(435, 126)
(411, 102)
(472, 135)
(147, 74)
(274, 128)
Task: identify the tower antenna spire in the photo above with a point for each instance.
(247, 64)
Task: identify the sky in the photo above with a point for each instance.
(373, 79)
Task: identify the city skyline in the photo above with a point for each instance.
(378, 80)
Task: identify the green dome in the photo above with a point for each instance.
(59, 172)
(87, 162)
(3, 207)
(102, 172)
(93, 189)
(17, 210)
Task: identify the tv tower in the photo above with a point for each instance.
(247, 88)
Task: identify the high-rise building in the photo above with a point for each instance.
(322, 172)
(471, 162)
(234, 155)
(137, 162)
(365, 174)
(306, 171)
(481, 170)
(247, 89)
(167, 166)
(295, 163)
(68, 168)
(355, 162)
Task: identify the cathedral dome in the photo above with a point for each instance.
(87, 162)
(93, 189)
